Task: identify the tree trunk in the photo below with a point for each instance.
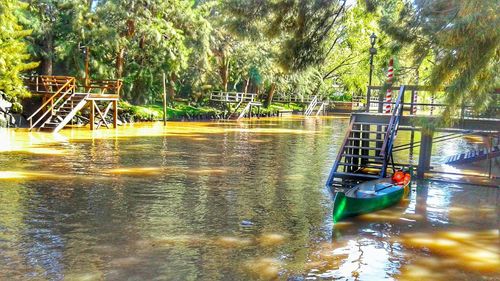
(247, 81)
(270, 95)
(224, 72)
(48, 48)
(171, 88)
(119, 63)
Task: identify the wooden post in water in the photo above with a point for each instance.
(424, 158)
(91, 116)
(115, 113)
(164, 100)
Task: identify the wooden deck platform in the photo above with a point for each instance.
(62, 99)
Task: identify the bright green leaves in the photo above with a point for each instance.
(457, 40)
(13, 50)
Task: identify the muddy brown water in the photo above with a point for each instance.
(225, 201)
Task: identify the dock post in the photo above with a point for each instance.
(92, 113)
(424, 158)
(115, 113)
(164, 100)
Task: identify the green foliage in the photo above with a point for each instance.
(147, 38)
(300, 27)
(457, 40)
(154, 112)
(281, 48)
(13, 50)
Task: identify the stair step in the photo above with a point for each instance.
(353, 175)
(363, 139)
(369, 132)
(359, 165)
(362, 147)
(363, 156)
(373, 124)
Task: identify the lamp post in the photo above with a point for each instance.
(86, 53)
(373, 51)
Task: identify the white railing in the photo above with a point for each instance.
(311, 106)
(232, 97)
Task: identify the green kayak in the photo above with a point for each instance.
(368, 197)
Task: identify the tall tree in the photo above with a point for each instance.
(58, 31)
(14, 57)
(461, 36)
(146, 38)
(302, 26)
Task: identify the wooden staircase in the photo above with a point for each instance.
(366, 150)
(61, 101)
(247, 108)
(64, 113)
(312, 105)
(315, 102)
(243, 99)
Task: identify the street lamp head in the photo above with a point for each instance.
(373, 39)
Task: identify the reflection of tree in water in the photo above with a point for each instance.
(359, 261)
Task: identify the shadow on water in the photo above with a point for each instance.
(222, 201)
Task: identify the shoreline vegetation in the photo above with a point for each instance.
(186, 112)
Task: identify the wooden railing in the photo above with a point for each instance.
(292, 98)
(104, 87)
(435, 104)
(232, 97)
(311, 106)
(63, 90)
(46, 84)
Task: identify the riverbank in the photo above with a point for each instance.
(183, 111)
(180, 111)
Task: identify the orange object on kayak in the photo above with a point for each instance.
(398, 177)
(407, 178)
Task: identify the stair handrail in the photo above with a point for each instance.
(392, 128)
(52, 97)
(70, 83)
(51, 109)
(339, 154)
(311, 106)
(72, 113)
(242, 114)
(35, 83)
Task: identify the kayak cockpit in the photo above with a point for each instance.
(373, 189)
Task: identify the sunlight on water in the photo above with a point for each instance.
(223, 201)
(15, 175)
(471, 250)
(264, 268)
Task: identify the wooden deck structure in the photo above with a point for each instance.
(62, 99)
(292, 99)
(245, 100)
(317, 105)
(364, 152)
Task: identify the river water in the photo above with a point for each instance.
(224, 201)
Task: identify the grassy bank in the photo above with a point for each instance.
(154, 112)
(180, 111)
